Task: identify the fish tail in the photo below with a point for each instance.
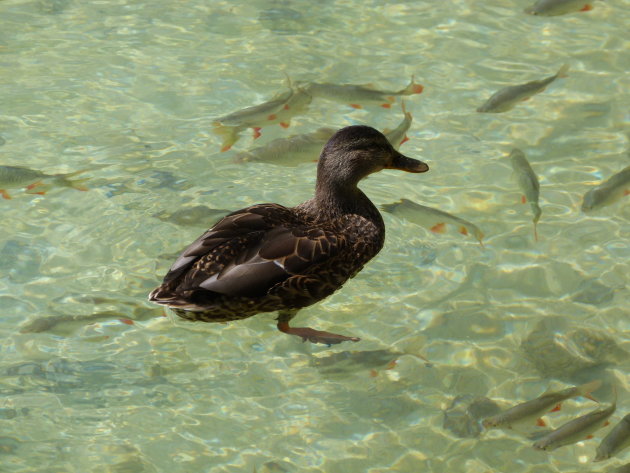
(404, 109)
(77, 184)
(586, 389)
(230, 135)
(412, 88)
(289, 81)
(563, 71)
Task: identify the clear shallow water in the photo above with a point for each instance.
(93, 378)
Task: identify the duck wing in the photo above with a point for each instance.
(246, 254)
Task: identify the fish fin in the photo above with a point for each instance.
(540, 422)
(587, 7)
(563, 71)
(405, 139)
(463, 230)
(373, 373)
(5, 194)
(286, 106)
(34, 185)
(77, 184)
(439, 228)
(523, 199)
(535, 232)
(589, 436)
(386, 105)
(127, 321)
(391, 364)
(626, 192)
(356, 105)
(272, 116)
(412, 88)
(606, 423)
(285, 124)
(556, 408)
(257, 133)
(230, 135)
(39, 187)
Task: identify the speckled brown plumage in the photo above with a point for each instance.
(268, 257)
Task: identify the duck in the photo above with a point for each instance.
(272, 258)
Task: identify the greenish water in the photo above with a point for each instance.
(95, 379)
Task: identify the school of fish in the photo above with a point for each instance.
(578, 429)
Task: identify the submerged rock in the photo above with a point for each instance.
(558, 350)
(463, 416)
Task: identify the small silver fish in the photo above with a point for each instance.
(36, 182)
(290, 151)
(506, 98)
(528, 183)
(617, 439)
(358, 95)
(558, 7)
(531, 410)
(279, 110)
(608, 192)
(306, 147)
(192, 216)
(576, 429)
(434, 220)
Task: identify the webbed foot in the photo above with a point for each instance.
(315, 336)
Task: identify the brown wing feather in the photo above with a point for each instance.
(246, 254)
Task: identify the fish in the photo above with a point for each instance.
(398, 135)
(528, 183)
(306, 147)
(558, 7)
(530, 410)
(617, 439)
(290, 151)
(192, 216)
(505, 99)
(608, 192)
(432, 219)
(36, 182)
(358, 95)
(576, 429)
(279, 110)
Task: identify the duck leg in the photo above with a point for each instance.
(312, 335)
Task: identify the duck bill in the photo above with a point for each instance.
(403, 163)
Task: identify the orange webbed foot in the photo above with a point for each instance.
(316, 336)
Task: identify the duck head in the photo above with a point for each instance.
(354, 152)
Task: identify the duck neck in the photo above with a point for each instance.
(335, 199)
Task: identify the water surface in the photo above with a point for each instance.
(96, 379)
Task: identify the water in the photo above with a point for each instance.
(93, 378)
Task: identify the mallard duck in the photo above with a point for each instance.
(267, 257)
